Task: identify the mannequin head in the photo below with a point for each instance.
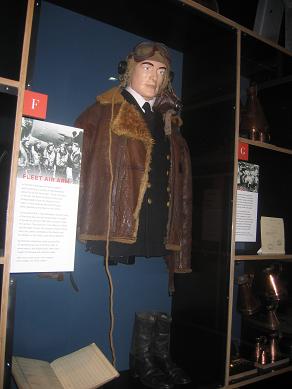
(147, 77)
(147, 58)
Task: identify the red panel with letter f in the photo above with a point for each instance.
(35, 104)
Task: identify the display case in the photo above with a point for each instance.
(211, 332)
(238, 299)
(261, 309)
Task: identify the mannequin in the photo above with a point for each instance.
(135, 191)
(139, 164)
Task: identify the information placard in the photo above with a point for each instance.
(247, 202)
(46, 203)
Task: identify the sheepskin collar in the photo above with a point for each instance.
(112, 95)
(128, 121)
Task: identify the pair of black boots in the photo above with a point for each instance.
(150, 359)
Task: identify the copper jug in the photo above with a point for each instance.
(253, 122)
(271, 321)
(248, 303)
(272, 288)
(265, 356)
(259, 347)
(274, 349)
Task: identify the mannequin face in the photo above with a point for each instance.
(147, 78)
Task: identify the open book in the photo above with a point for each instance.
(86, 368)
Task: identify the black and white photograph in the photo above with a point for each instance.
(248, 177)
(50, 149)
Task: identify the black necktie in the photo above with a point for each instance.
(148, 113)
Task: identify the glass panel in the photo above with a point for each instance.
(271, 71)
(200, 320)
(11, 37)
(241, 12)
(7, 120)
(275, 193)
(259, 318)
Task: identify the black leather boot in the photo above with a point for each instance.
(161, 354)
(141, 360)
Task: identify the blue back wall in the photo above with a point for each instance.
(74, 58)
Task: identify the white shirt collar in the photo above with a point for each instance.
(140, 100)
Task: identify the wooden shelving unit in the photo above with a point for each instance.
(19, 85)
(204, 303)
(265, 145)
(281, 257)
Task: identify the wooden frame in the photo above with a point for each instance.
(20, 85)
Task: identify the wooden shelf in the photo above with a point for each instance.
(274, 257)
(8, 82)
(260, 377)
(268, 146)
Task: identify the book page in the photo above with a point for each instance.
(86, 368)
(272, 235)
(34, 374)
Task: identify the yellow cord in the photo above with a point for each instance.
(111, 288)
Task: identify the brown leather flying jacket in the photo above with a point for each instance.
(116, 159)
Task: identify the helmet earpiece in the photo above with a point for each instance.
(122, 67)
